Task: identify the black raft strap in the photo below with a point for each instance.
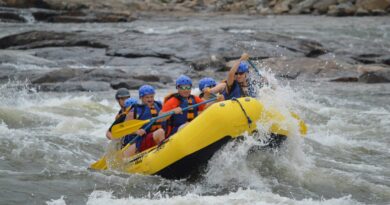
(243, 110)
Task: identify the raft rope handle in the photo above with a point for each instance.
(243, 110)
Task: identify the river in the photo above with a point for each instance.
(48, 140)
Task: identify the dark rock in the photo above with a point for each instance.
(378, 12)
(73, 56)
(56, 76)
(129, 84)
(303, 7)
(154, 78)
(26, 3)
(106, 75)
(372, 58)
(136, 62)
(89, 86)
(44, 15)
(282, 7)
(375, 77)
(293, 68)
(214, 61)
(88, 17)
(361, 12)
(371, 5)
(11, 17)
(82, 16)
(344, 9)
(31, 37)
(345, 79)
(23, 58)
(386, 61)
(164, 79)
(374, 74)
(322, 6)
(39, 39)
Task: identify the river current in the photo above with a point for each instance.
(48, 140)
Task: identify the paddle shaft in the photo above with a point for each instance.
(151, 121)
(254, 67)
(184, 109)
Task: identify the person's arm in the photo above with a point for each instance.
(218, 88)
(234, 68)
(109, 135)
(170, 105)
(120, 119)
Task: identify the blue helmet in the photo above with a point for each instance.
(146, 90)
(243, 68)
(130, 102)
(206, 82)
(183, 80)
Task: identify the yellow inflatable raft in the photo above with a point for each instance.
(196, 143)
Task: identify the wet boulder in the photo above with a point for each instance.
(373, 5)
(374, 74)
(344, 9)
(24, 59)
(87, 86)
(56, 76)
(39, 39)
(323, 6)
(11, 17)
(306, 68)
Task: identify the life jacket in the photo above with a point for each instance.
(120, 117)
(143, 112)
(235, 91)
(120, 114)
(176, 120)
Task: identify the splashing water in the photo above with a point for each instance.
(49, 139)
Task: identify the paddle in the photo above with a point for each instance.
(255, 68)
(130, 126)
(302, 125)
(101, 164)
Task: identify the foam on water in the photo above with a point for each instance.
(242, 196)
(331, 165)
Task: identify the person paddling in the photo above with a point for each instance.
(237, 82)
(122, 94)
(177, 101)
(148, 109)
(209, 85)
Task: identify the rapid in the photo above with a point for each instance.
(48, 140)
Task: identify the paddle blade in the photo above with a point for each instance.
(125, 128)
(302, 124)
(101, 164)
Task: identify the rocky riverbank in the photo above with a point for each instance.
(155, 48)
(119, 9)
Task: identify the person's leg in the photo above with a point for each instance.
(130, 151)
(158, 135)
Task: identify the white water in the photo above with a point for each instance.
(51, 138)
(47, 140)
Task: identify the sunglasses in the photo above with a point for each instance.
(240, 73)
(184, 87)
